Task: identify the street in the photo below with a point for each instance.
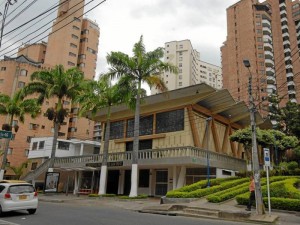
(90, 214)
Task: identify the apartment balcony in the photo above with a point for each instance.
(291, 92)
(287, 58)
(285, 35)
(291, 83)
(286, 50)
(289, 75)
(282, 5)
(284, 27)
(270, 71)
(298, 33)
(267, 38)
(293, 100)
(283, 19)
(286, 42)
(266, 23)
(271, 80)
(271, 87)
(269, 62)
(269, 55)
(268, 46)
(290, 66)
(97, 134)
(267, 30)
(282, 12)
(154, 157)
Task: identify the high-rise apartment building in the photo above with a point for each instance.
(265, 34)
(191, 70)
(76, 44)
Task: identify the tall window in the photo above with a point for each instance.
(170, 121)
(116, 129)
(146, 126)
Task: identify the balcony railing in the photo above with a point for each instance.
(151, 157)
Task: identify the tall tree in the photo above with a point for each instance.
(101, 95)
(19, 170)
(17, 107)
(58, 84)
(141, 67)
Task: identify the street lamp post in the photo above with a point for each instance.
(255, 164)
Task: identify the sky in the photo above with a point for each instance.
(122, 22)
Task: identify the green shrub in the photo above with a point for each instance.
(283, 203)
(292, 165)
(108, 195)
(93, 195)
(198, 193)
(236, 190)
(137, 197)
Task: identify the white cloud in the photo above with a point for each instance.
(122, 22)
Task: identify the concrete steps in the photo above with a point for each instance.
(198, 212)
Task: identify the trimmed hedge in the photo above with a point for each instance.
(240, 189)
(284, 195)
(203, 190)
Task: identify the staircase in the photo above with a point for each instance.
(198, 212)
(38, 171)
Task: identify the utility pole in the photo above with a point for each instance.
(260, 209)
(7, 4)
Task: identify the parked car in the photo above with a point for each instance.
(17, 195)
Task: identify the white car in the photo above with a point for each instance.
(17, 195)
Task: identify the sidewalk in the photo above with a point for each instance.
(228, 210)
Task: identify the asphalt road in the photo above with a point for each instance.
(85, 214)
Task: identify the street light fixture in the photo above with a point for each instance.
(255, 164)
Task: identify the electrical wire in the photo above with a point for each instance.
(27, 46)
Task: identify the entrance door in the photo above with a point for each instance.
(112, 182)
(127, 182)
(161, 186)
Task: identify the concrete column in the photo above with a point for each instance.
(75, 191)
(170, 178)
(121, 182)
(181, 178)
(174, 177)
(81, 149)
(151, 182)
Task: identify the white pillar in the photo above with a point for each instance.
(75, 191)
(81, 149)
(103, 180)
(181, 178)
(134, 181)
(174, 177)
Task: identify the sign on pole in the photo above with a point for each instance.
(267, 165)
(5, 134)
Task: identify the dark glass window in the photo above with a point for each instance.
(144, 178)
(170, 121)
(116, 130)
(63, 145)
(143, 145)
(146, 126)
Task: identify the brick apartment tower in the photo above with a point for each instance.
(265, 34)
(74, 45)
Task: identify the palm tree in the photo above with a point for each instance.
(60, 84)
(18, 170)
(17, 106)
(99, 95)
(141, 67)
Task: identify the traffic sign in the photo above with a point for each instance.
(5, 134)
(267, 156)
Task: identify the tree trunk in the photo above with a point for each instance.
(103, 172)
(54, 142)
(134, 169)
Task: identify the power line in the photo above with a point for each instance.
(56, 29)
(15, 9)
